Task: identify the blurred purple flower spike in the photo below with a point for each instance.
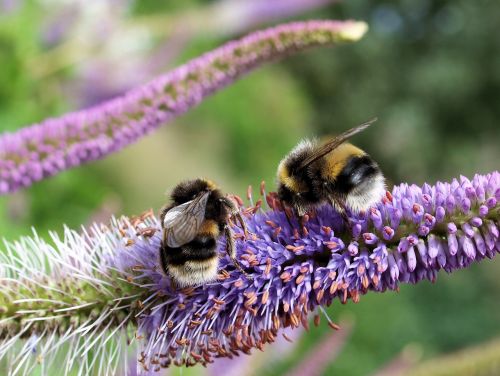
(54, 145)
(9, 6)
(113, 273)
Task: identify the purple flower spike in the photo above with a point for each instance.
(109, 279)
(54, 145)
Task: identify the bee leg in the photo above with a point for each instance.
(242, 223)
(173, 284)
(235, 213)
(231, 250)
(302, 223)
(288, 213)
(163, 239)
(163, 258)
(301, 212)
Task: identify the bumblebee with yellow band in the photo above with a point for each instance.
(334, 172)
(192, 224)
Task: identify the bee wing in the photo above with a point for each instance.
(335, 143)
(181, 223)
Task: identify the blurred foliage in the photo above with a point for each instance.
(430, 70)
(482, 360)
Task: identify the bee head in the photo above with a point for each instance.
(290, 180)
(188, 190)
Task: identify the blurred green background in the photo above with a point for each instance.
(429, 70)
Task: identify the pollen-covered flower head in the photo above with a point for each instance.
(124, 298)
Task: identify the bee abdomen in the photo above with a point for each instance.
(199, 249)
(356, 171)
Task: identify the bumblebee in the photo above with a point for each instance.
(192, 224)
(333, 172)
